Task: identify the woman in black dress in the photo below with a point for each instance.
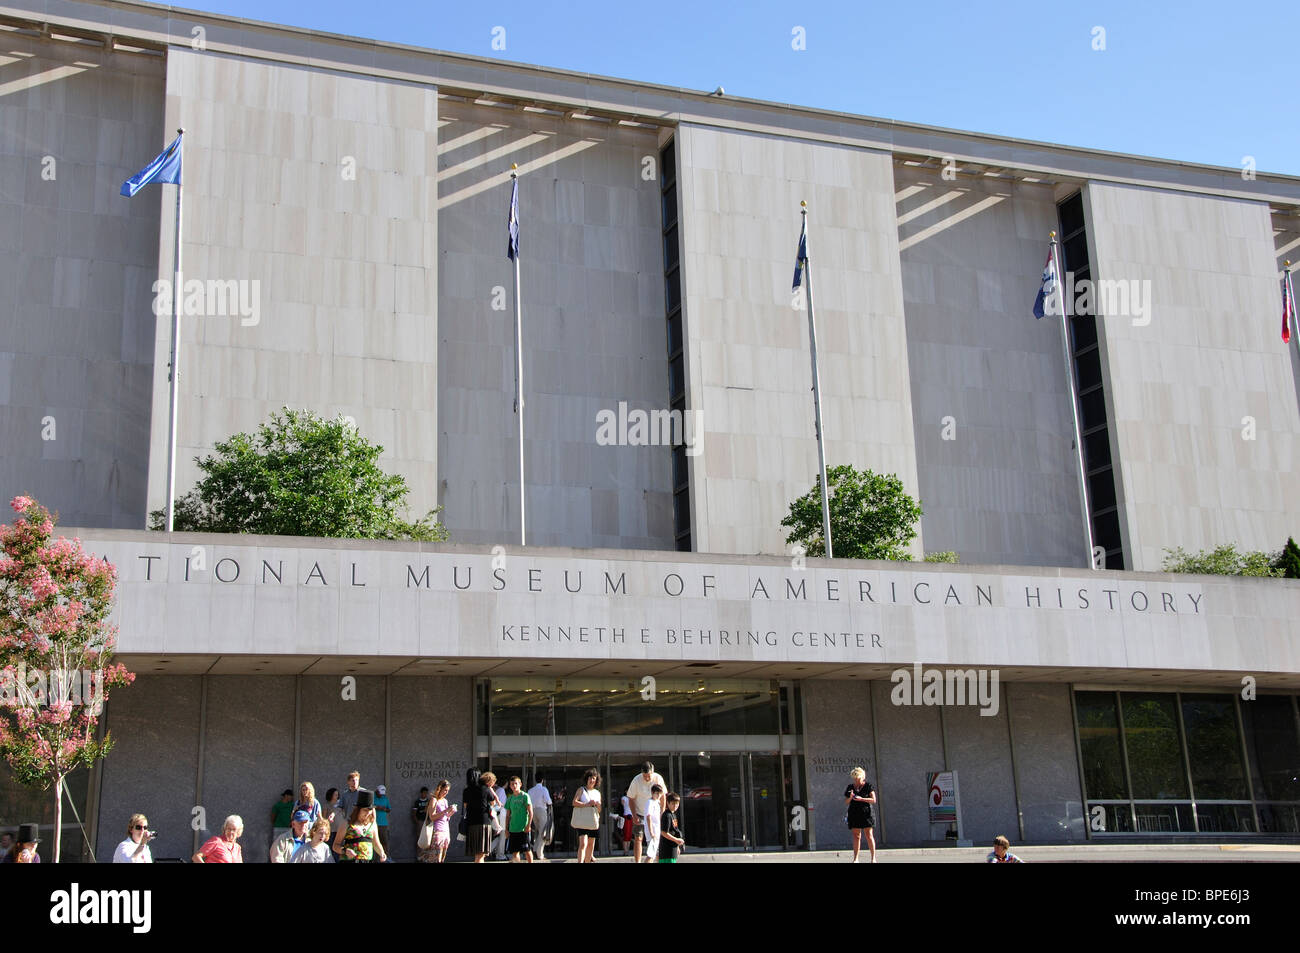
(479, 803)
(858, 798)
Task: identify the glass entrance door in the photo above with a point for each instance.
(712, 789)
(563, 774)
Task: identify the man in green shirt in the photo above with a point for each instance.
(282, 815)
(519, 811)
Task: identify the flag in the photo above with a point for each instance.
(1288, 306)
(512, 250)
(165, 168)
(801, 256)
(1048, 287)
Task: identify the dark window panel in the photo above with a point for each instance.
(1105, 530)
(1089, 365)
(1101, 490)
(1085, 331)
(674, 333)
(1214, 748)
(682, 510)
(670, 206)
(1071, 213)
(673, 291)
(1115, 559)
(668, 164)
(680, 467)
(1103, 765)
(1092, 405)
(1075, 254)
(1155, 753)
(676, 377)
(1096, 449)
(671, 251)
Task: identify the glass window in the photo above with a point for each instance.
(1154, 753)
(1103, 766)
(668, 163)
(674, 333)
(1089, 365)
(1071, 213)
(1273, 747)
(676, 377)
(1096, 449)
(1075, 251)
(1092, 407)
(673, 291)
(671, 251)
(670, 206)
(680, 466)
(682, 510)
(1101, 490)
(1085, 331)
(1214, 747)
(1105, 530)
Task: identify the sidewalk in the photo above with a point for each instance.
(1062, 853)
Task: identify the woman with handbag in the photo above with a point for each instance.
(586, 815)
(435, 835)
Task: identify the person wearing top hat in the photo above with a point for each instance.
(23, 850)
(358, 843)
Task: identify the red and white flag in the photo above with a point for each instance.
(1288, 306)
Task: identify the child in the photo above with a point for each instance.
(315, 851)
(629, 822)
(671, 840)
(519, 811)
(652, 812)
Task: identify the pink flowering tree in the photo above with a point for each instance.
(56, 648)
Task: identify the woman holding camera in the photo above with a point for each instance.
(135, 849)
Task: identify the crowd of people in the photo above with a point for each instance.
(352, 825)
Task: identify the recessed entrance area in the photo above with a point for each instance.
(730, 748)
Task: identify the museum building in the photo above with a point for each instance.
(358, 192)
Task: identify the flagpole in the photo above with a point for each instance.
(519, 383)
(1289, 292)
(1074, 400)
(174, 366)
(816, 384)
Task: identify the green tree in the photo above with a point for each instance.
(1223, 560)
(872, 517)
(299, 475)
(1289, 559)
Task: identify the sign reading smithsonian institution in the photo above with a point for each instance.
(251, 599)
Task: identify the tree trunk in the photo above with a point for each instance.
(58, 818)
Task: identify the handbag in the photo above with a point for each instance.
(586, 817)
(426, 835)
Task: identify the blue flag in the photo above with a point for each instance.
(801, 256)
(1048, 288)
(512, 250)
(165, 168)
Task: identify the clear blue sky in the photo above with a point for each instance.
(1194, 81)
